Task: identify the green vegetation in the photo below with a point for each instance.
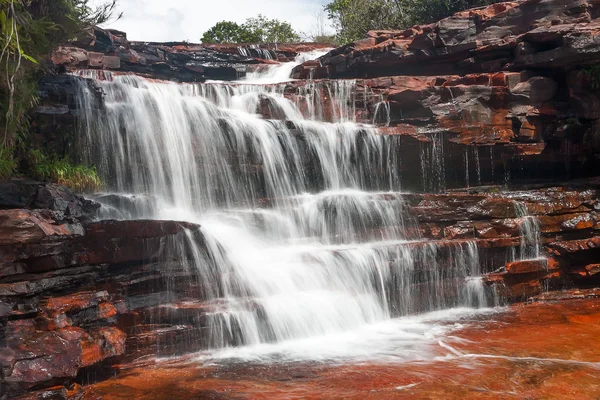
(352, 19)
(254, 30)
(61, 171)
(29, 31)
(593, 74)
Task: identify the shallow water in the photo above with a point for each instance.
(537, 351)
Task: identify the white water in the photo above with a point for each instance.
(307, 243)
(278, 73)
(529, 230)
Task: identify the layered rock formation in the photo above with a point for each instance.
(178, 61)
(69, 286)
(498, 96)
(78, 296)
(509, 36)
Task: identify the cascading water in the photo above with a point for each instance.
(530, 233)
(277, 73)
(305, 229)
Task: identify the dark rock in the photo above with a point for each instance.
(37, 195)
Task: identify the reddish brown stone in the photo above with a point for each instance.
(24, 226)
(592, 269)
(574, 246)
(101, 344)
(528, 266)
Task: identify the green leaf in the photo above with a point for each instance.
(28, 58)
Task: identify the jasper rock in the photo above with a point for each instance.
(177, 61)
(574, 246)
(529, 266)
(101, 344)
(592, 269)
(42, 357)
(52, 393)
(22, 227)
(515, 35)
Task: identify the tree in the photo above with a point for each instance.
(318, 32)
(255, 30)
(271, 30)
(352, 19)
(229, 32)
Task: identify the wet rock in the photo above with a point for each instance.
(53, 393)
(20, 194)
(574, 246)
(592, 269)
(572, 294)
(23, 227)
(529, 266)
(101, 344)
(537, 89)
(42, 357)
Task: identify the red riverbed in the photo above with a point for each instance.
(534, 351)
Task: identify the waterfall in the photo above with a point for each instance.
(305, 228)
(433, 170)
(529, 230)
(277, 73)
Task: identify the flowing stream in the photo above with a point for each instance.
(308, 249)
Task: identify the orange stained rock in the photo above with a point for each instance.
(534, 351)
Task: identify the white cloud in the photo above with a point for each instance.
(174, 20)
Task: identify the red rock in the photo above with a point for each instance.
(52, 393)
(42, 357)
(23, 226)
(574, 246)
(528, 266)
(592, 269)
(101, 344)
(69, 56)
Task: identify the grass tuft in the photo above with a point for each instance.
(77, 177)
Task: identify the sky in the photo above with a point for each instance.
(176, 20)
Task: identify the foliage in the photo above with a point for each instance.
(8, 165)
(593, 74)
(352, 19)
(29, 30)
(228, 32)
(255, 30)
(271, 30)
(61, 171)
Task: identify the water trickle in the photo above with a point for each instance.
(477, 164)
(492, 163)
(466, 158)
(382, 113)
(529, 229)
(433, 171)
(305, 232)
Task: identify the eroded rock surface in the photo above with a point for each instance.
(528, 34)
(108, 49)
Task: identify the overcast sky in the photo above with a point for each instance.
(174, 20)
